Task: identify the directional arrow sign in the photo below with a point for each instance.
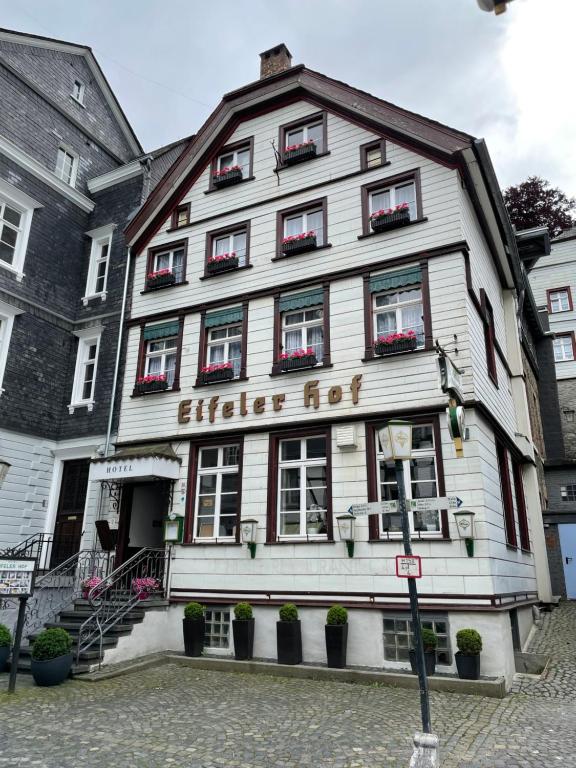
(416, 505)
(442, 502)
(373, 508)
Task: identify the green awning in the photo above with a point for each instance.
(161, 330)
(398, 279)
(224, 317)
(301, 300)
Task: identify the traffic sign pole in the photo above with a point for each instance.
(16, 646)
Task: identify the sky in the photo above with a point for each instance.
(507, 78)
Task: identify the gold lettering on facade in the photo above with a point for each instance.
(228, 409)
(311, 394)
(184, 409)
(212, 406)
(355, 387)
(199, 415)
(334, 395)
(277, 401)
(259, 404)
(243, 409)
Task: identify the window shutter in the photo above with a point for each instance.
(400, 279)
(223, 317)
(302, 300)
(161, 331)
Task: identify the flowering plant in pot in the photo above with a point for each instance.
(87, 585)
(5, 643)
(430, 642)
(194, 628)
(336, 631)
(160, 278)
(469, 643)
(297, 358)
(289, 635)
(230, 174)
(389, 343)
(216, 372)
(297, 153)
(389, 218)
(243, 631)
(144, 586)
(222, 262)
(151, 383)
(51, 657)
(305, 241)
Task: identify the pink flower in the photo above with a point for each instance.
(159, 273)
(216, 367)
(292, 147)
(227, 169)
(301, 236)
(392, 337)
(150, 378)
(297, 353)
(222, 257)
(400, 208)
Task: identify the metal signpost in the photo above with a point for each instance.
(17, 580)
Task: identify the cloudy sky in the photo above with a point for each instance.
(508, 79)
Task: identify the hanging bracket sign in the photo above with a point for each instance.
(17, 576)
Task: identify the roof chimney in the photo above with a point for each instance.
(275, 60)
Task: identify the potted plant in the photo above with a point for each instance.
(469, 643)
(160, 279)
(225, 177)
(5, 643)
(216, 372)
(429, 641)
(87, 585)
(336, 630)
(390, 218)
(298, 358)
(194, 629)
(297, 153)
(151, 383)
(395, 342)
(145, 586)
(305, 241)
(289, 635)
(243, 630)
(51, 657)
(222, 263)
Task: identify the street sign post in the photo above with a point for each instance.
(415, 505)
(17, 580)
(409, 566)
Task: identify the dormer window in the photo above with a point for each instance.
(78, 91)
(232, 165)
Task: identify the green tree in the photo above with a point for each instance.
(534, 203)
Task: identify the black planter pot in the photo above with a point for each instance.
(294, 156)
(150, 386)
(4, 654)
(390, 221)
(52, 671)
(232, 177)
(403, 345)
(160, 282)
(429, 661)
(293, 363)
(336, 644)
(289, 642)
(225, 265)
(243, 631)
(194, 630)
(299, 246)
(223, 374)
(468, 666)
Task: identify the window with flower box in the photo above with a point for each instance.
(559, 300)
(564, 347)
(223, 345)
(159, 359)
(301, 329)
(302, 228)
(227, 249)
(166, 265)
(233, 165)
(217, 492)
(303, 140)
(391, 203)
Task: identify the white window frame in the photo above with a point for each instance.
(170, 253)
(7, 315)
(305, 228)
(220, 470)
(225, 342)
(162, 354)
(74, 170)
(397, 308)
(559, 345)
(234, 153)
(25, 205)
(242, 260)
(79, 99)
(305, 128)
(419, 453)
(301, 464)
(562, 297)
(303, 327)
(392, 189)
(100, 237)
(86, 338)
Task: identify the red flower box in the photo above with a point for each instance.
(306, 241)
(227, 176)
(298, 153)
(390, 218)
(395, 342)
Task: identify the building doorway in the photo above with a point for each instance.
(143, 509)
(70, 512)
(567, 532)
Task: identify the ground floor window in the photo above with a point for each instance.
(217, 633)
(398, 636)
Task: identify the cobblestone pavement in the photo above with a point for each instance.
(172, 716)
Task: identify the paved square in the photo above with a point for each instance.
(175, 716)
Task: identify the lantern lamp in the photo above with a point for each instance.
(465, 525)
(396, 440)
(4, 467)
(249, 528)
(346, 531)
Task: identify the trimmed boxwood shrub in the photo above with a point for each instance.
(194, 611)
(337, 615)
(243, 611)
(50, 644)
(469, 642)
(288, 612)
(429, 639)
(5, 637)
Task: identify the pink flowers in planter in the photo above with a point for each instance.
(222, 257)
(216, 367)
(227, 169)
(292, 147)
(297, 353)
(150, 378)
(159, 273)
(301, 236)
(88, 584)
(144, 586)
(392, 337)
(389, 211)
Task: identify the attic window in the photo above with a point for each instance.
(78, 92)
